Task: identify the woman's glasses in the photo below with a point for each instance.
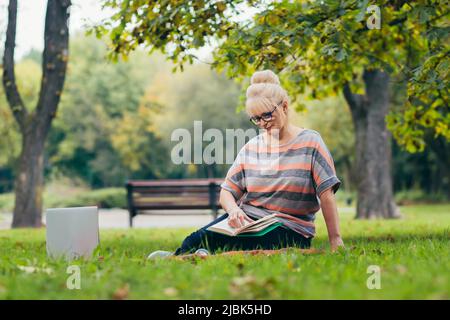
(266, 116)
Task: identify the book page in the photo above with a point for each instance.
(258, 225)
(223, 227)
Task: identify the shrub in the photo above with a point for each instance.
(103, 198)
(6, 202)
(345, 198)
(407, 197)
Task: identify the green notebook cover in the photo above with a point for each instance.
(260, 233)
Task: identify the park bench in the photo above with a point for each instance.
(185, 194)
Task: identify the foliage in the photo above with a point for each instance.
(140, 150)
(9, 131)
(28, 76)
(321, 45)
(332, 119)
(97, 96)
(6, 202)
(412, 254)
(428, 170)
(409, 197)
(106, 198)
(115, 121)
(197, 94)
(103, 198)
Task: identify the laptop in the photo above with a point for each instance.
(72, 233)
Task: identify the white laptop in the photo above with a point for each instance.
(72, 232)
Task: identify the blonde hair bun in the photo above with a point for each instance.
(264, 91)
(265, 76)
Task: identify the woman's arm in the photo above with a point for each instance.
(236, 215)
(329, 210)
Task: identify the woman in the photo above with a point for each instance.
(285, 169)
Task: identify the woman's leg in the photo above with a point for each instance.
(280, 237)
(197, 239)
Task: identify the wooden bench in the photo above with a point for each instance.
(173, 194)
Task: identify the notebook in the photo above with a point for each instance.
(256, 228)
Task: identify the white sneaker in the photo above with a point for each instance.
(159, 254)
(202, 252)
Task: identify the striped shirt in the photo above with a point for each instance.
(287, 179)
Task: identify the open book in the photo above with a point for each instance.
(255, 228)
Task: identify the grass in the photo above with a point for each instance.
(413, 254)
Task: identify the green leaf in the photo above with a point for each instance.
(341, 55)
(362, 13)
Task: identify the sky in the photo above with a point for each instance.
(31, 19)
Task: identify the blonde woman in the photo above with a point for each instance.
(285, 169)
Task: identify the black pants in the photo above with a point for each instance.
(279, 237)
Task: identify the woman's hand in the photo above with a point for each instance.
(237, 218)
(336, 243)
(329, 210)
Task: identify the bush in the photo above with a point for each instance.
(407, 197)
(103, 198)
(6, 202)
(345, 198)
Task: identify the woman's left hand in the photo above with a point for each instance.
(335, 243)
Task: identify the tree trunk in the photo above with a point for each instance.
(35, 125)
(373, 151)
(29, 183)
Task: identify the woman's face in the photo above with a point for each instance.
(273, 118)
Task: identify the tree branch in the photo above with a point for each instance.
(9, 80)
(54, 62)
(354, 100)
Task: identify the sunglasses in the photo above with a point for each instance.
(266, 116)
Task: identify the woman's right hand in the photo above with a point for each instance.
(237, 218)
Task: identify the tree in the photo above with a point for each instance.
(35, 124)
(96, 96)
(328, 46)
(115, 119)
(28, 75)
(198, 93)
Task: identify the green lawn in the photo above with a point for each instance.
(413, 254)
